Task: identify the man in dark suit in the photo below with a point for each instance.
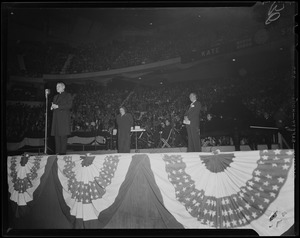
(124, 122)
(192, 121)
(61, 120)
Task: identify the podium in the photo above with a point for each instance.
(136, 130)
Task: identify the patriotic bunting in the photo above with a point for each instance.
(90, 183)
(24, 174)
(25, 181)
(229, 190)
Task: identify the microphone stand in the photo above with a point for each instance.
(46, 121)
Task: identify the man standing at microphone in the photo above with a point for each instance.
(191, 120)
(61, 120)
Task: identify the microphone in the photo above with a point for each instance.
(47, 92)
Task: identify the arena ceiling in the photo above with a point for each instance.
(114, 17)
(147, 15)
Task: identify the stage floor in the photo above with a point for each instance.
(174, 150)
(70, 150)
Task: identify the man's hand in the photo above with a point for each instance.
(54, 106)
(186, 121)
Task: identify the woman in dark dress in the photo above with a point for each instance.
(124, 122)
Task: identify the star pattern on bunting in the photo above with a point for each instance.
(247, 204)
(86, 192)
(22, 184)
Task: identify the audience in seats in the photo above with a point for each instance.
(95, 107)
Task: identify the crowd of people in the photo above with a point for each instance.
(225, 104)
(33, 59)
(23, 120)
(23, 93)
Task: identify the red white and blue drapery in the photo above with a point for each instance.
(27, 176)
(229, 190)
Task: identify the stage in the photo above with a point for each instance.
(227, 148)
(160, 189)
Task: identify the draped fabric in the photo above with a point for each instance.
(139, 203)
(38, 142)
(26, 178)
(86, 140)
(86, 184)
(80, 140)
(228, 190)
(26, 141)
